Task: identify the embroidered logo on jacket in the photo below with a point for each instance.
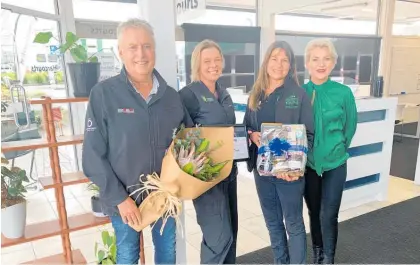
(126, 110)
(89, 126)
(207, 99)
(292, 102)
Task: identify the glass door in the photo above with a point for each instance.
(30, 70)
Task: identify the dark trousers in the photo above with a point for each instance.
(217, 215)
(280, 200)
(323, 198)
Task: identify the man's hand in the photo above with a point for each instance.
(129, 212)
(255, 137)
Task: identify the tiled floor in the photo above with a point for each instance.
(42, 207)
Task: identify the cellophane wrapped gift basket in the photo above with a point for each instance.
(197, 159)
(283, 149)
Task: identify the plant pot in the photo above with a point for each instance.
(97, 209)
(13, 220)
(83, 77)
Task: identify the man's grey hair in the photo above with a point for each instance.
(135, 23)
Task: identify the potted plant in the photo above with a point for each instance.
(13, 202)
(84, 72)
(107, 252)
(96, 201)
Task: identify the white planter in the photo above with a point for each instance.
(13, 220)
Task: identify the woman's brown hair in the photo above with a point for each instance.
(263, 80)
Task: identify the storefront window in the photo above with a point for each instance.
(32, 70)
(47, 6)
(37, 67)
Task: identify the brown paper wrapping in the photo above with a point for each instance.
(175, 185)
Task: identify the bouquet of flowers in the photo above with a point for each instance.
(283, 149)
(192, 154)
(197, 159)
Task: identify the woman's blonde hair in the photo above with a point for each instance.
(320, 43)
(196, 57)
(263, 80)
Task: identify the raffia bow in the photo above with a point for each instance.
(161, 196)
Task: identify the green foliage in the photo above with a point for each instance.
(106, 253)
(10, 75)
(93, 187)
(77, 51)
(5, 92)
(36, 78)
(59, 79)
(12, 180)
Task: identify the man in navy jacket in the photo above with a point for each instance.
(129, 124)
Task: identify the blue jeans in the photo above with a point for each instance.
(323, 199)
(128, 242)
(280, 200)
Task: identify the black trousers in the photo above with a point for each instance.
(323, 198)
(217, 216)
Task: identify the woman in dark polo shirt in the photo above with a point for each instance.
(281, 197)
(209, 104)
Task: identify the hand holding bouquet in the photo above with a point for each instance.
(192, 154)
(197, 159)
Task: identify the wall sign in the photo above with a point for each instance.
(45, 68)
(96, 30)
(187, 10)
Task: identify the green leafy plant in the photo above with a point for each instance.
(77, 51)
(93, 187)
(12, 188)
(106, 252)
(36, 78)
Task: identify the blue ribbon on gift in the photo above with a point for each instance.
(279, 146)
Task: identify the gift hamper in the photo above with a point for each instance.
(283, 149)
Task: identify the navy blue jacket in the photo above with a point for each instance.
(126, 137)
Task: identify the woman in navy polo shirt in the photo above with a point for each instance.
(277, 98)
(209, 104)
